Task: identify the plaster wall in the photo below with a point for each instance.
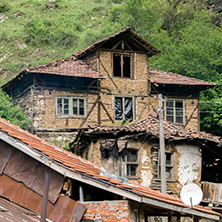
(189, 164)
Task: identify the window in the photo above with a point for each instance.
(123, 108)
(169, 166)
(132, 162)
(122, 65)
(70, 106)
(175, 111)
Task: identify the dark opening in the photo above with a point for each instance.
(126, 66)
(128, 108)
(117, 65)
(211, 165)
(118, 108)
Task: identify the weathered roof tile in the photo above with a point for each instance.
(165, 78)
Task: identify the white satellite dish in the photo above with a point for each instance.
(191, 195)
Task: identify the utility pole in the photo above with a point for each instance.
(162, 145)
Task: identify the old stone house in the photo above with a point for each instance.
(132, 151)
(78, 189)
(106, 82)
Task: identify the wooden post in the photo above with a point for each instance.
(162, 145)
(45, 196)
(170, 216)
(99, 109)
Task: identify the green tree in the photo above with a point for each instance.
(12, 113)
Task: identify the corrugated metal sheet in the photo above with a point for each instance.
(20, 194)
(23, 168)
(12, 213)
(5, 154)
(64, 209)
(212, 192)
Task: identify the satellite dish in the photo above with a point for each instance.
(191, 195)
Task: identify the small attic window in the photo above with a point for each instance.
(122, 65)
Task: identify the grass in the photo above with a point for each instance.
(36, 31)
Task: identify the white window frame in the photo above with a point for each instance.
(123, 108)
(70, 114)
(174, 110)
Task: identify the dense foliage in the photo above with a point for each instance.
(37, 31)
(12, 113)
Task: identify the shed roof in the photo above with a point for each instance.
(151, 50)
(169, 78)
(80, 169)
(69, 67)
(14, 213)
(66, 67)
(150, 126)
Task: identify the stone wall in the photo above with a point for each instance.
(186, 162)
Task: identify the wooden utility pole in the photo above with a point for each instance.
(162, 145)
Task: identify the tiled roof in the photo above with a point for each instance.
(84, 167)
(151, 50)
(162, 77)
(66, 67)
(150, 126)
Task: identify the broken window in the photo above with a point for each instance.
(122, 65)
(70, 106)
(175, 111)
(132, 162)
(123, 108)
(168, 165)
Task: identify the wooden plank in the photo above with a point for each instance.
(107, 113)
(192, 114)
(88, 114)
(109, 75)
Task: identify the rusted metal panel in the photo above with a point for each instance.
(25, 169)
(20, 194)
(212, 192)
(66, 210)
(13, 213)
(5, 154)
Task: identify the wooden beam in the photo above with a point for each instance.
(109, 75)
(192, 114)
(139, 78)
(88, 114)
(99, 110)
(107, 113)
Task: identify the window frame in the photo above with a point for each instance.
(70, 114)
(170, 166)
(123, 107)
(130, 163)
(122, 62)
(174, 110)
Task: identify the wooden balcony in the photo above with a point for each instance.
(212, 194)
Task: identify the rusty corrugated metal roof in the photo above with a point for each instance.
(79, 165)
(13, 213)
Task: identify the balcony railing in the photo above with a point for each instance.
(212, 192)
